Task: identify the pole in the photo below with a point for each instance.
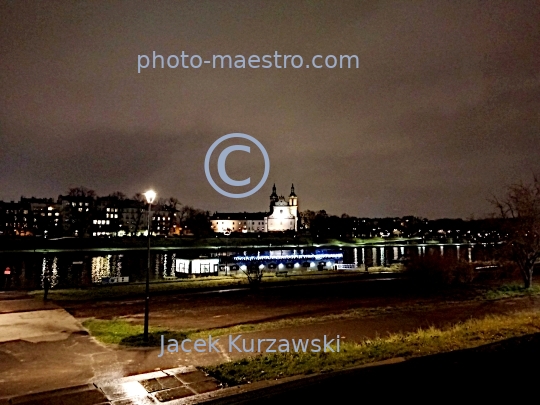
(147, 299)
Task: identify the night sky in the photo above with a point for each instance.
(442, 113)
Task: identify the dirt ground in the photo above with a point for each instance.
(207, 311)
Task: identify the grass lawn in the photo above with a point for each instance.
(127, 334)
(465, 335)
(510, 291)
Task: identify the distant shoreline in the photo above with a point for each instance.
(40, 245)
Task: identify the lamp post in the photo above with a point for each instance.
(150, 197)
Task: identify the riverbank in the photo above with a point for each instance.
(137, 290)
(353, 309)
(262, 241)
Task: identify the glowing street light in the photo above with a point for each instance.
(150, 196)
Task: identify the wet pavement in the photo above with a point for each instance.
(144, 389)
(38, 326)
(43, 347)
(35, 367)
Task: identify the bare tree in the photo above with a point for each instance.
(81, 192)
(172, 206)
(254, 275)
(118, 195)
(184, 216)
(306, 218)
(140, 203)
(521, 209)
(78, 216)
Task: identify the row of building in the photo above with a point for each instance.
(83, 216)
(76, 215)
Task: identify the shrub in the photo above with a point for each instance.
(508, 269)
(435, 270)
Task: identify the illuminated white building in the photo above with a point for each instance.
(283, 216)
(200, 266)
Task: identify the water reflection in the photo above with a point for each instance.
(49, 270)
(74, 269)
(100, 268)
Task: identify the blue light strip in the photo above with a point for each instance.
(293, 257)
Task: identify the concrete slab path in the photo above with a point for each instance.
(47, 349)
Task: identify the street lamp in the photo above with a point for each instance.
(150, 196)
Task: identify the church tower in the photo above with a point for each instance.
(293, 202)
(273, 197)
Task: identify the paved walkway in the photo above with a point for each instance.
(38, 326)
(42, 348)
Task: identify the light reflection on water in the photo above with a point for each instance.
(49, 268)
(106, 266)
(80, 268)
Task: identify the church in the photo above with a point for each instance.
(283, 216)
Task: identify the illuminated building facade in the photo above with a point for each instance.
(283, 216)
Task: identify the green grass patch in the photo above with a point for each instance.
(123, 333)
(511, 291)
(464, 335)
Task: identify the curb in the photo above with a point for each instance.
(244, 393)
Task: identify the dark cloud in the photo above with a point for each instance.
(441, 113)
